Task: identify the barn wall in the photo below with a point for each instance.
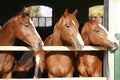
(117, 60)
(117, 53)
(114, 16)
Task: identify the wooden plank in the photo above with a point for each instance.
(85, 78)
(51, 48)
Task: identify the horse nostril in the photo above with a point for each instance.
(80, 46)
(40, 45)
(116, 44)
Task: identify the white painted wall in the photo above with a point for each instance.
(114, 27)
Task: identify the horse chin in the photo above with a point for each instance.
(41, 69)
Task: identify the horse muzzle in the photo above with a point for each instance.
(113, 44)
(78, 45)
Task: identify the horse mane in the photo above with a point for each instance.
(57, 26)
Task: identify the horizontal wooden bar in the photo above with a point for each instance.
(52, 48)
(84, 78)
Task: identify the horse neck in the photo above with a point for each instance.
(56, 40)
(53, 40)
(7, 37)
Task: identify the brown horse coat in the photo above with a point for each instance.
(89, 63)
(66, 33)
(20, 27)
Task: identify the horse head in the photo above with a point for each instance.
(95, 33)
(25, 30)
(67, 29)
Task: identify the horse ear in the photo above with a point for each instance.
(26, 11)
(75, 12)
(91, 18)
(66, 12)
(97, 19)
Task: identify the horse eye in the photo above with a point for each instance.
(68, 26)
(97, 30)
(26, 25)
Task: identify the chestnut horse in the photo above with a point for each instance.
(27, 62)
(66, 33)
(40, 63)
(20, 27)
(89, 63)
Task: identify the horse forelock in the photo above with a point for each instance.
(71, 18)
(102, 27)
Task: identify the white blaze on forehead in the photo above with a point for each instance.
(37, 58)
(34, 28)
(73, 22)
(101, 26)
(80, 39)
(31, 22)
(109, 36)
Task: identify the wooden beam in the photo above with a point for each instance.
(77, 78)
(52, 48)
